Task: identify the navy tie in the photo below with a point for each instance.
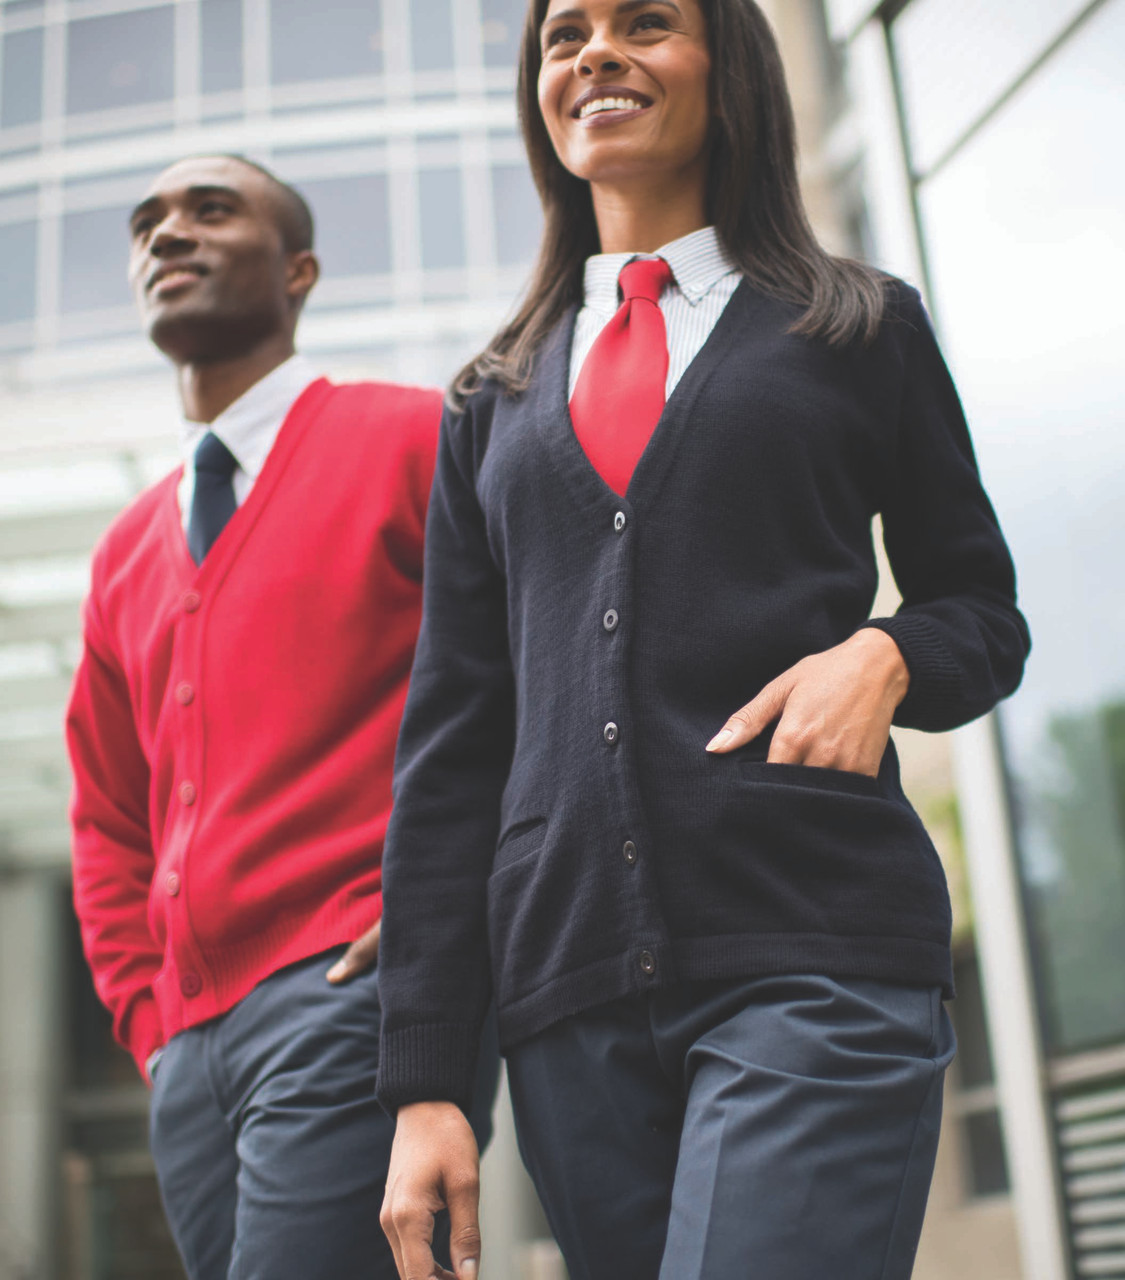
(212, 504)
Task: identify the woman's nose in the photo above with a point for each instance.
(599, 56)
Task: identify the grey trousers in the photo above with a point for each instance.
(271, 1150)
(780, 1128)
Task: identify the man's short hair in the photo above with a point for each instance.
(294, 217)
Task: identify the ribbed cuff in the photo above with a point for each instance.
(934, 698)
(433, 1062)
(141, 1032)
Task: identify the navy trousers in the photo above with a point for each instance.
(780, 1128)
(270, 1147)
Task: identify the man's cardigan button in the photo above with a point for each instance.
(619, 522)
(185, 694)
(172, 884)
(610, 733)
(648, 963)
(191, 984)
(629, 849)
(187, 793)
(191, 601)
(610, 620)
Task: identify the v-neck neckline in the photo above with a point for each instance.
(554, 405)
(237, 529)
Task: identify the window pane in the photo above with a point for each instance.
(431, 35)
(502, 23)
(956, 57)
(94, 260)
(221, 38)
(18, 244)
(974, 1054)
(119, 61)
(21, 78)
(1026, 233)
(327, 41)
(352, 224)
(519, 217)
(443, 230)
(988, 1165)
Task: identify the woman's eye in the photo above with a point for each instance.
(650, 22)
(563, 35)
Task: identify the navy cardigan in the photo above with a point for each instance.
(560, 837)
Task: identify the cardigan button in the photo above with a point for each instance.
(187, 793)
(610, 733)
(172, 884)
(191, 601)
(629, 849)
(610, 620)
(619, 522)
(185, 694)
(191, 984)
(648, 963)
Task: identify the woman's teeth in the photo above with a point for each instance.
(608, 104)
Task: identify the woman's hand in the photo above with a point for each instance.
(434, 1164)
(834, 709)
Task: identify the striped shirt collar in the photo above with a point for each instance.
(698, 262)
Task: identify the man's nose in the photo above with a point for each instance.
(172, 236)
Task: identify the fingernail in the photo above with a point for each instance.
(469, 1269)
(338, 970)
(720, 739)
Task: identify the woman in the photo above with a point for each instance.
(718, 957)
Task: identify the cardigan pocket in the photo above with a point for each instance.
(519, 841)
(809, 775)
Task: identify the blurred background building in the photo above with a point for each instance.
(964, 144)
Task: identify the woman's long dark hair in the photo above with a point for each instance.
(753, 199)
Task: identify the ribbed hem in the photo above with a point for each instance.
(431, 1062)
(935, 677)
(907, 961)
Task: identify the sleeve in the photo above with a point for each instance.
(960, 633)
(454, 756)
(112, 848)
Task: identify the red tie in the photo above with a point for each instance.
(619, 395)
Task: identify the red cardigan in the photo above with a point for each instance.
(232, 727)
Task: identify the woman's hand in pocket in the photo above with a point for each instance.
(833, 709)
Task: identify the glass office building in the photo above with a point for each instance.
(990, 129)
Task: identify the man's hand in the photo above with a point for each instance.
(834, 709)
(434, 1163)
(358, 958)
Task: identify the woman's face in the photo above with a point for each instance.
(623, 89)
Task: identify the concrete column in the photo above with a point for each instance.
(29, 1071)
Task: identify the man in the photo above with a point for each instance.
(248, 639)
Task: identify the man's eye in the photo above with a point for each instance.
(141, 227)
(210, 207)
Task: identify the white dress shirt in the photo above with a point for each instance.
(705, 279)
(248, 428)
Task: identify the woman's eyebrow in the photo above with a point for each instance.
(627, 6)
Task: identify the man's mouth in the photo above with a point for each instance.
(598, 101)
(171, 276)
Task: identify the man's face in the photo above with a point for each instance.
(207, 262)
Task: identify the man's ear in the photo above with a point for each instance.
(302, 273)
